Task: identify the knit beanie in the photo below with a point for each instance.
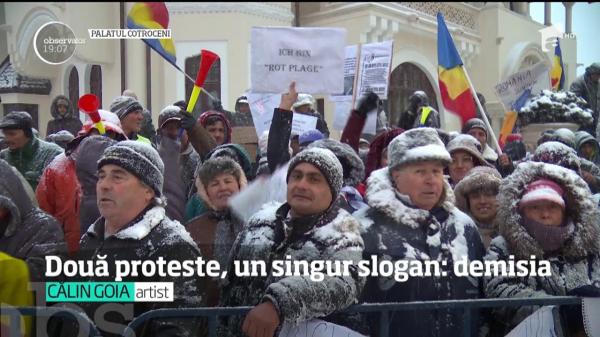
(123, 105)
(326, 162)
(543, 189)
(416, 145)
(139, 159)
(474, 123)
(558, 154)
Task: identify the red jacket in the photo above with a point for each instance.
(59, 194)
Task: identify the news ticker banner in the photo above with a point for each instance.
(109, 292)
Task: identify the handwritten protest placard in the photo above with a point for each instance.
(530, 81)
(302, 123)
(313, 57)
(261, 107)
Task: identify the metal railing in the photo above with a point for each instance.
(15, 313)
(212, 314)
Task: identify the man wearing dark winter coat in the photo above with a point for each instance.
(586, 86)
(548, 212)
(26, 232)
(134, 226)
(411, 215)
(180, 161)
(310, 226)
(587, 147)
(419, 113)
(64, 117)
(26, 152)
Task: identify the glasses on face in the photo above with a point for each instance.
(462, 160)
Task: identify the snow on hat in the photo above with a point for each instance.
(310, 136)
(63, 136)
(214, 167)
(565, 136)
(543, 189)
(17, 120)
(558, 154)
(110, 120)
(468, 143)
(326, 162)
(123, 105)
(139, 159)
(304, 99)
(480, 178)
(352, 166)
(169, 113)
(474, 123)
(415, 145)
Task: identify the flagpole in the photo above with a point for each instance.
(483, 115)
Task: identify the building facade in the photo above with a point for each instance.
(495, 39)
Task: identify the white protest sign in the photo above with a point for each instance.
(343, 106)
(375, 65)
(302, 123)
(262, 107)
(313, 57)
(316, 327)
(528, 82)
(538, 324)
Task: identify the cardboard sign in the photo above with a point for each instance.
(313, 57)
(246, 136)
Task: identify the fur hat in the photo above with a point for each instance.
(479, 178)
(416, 145)
(139, 159)
(558, 154)
(18, 120)
(326, 162)
(468, 143)
(214, 167)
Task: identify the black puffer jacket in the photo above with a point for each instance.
(394, 230)
(29, 233)
(576, 264)
(269, 236)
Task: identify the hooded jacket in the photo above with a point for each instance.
(149, 236)
(207, 114)
(69, 121)
(59, 194)
(32, 159)
(271, 235)
(574, 265)
(376, 148)
(214, 232)
(29, 233)
(588, 90)
(393, 229)
(583, 137)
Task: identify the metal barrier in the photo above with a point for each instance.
(384, 309)
(15, 314)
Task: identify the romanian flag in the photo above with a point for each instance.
(153, 15)
(454, 87)
(557, 74)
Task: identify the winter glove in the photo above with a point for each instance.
(187, 120)
(367, 103)
(586, 291)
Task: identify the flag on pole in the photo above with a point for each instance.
(454, 86)
(557, 74)
(153, 15)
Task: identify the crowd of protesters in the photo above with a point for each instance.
(415, 192)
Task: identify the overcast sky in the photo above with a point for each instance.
(586, 26)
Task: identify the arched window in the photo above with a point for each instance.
(212, 83)
(74, 88)
(96, 82)
(406, 79)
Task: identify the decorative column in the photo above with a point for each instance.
(568, 16)
(548, 13)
